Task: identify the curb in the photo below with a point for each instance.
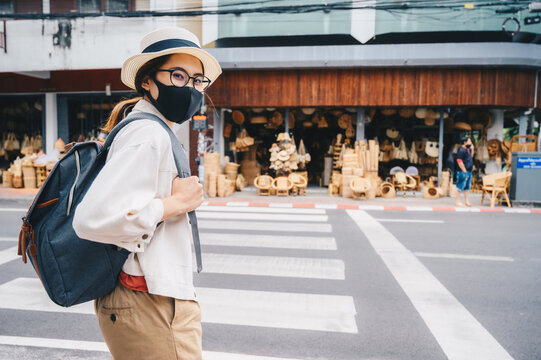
(372, 207)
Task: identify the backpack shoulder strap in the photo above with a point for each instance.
(181, 161)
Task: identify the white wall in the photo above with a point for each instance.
(96, 43)
(495, 132)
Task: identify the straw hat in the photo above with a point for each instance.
(406, 112)
(460, 125)
(283, 137)
(238, 117)
(283, 155)
(388, 111)
(308, 111)
(420, 113)
(166, 41)
(344, 121)
(258, 120)
(392, 133)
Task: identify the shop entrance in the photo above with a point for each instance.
(82, 115)
(21, 116)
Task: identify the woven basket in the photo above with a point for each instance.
(387, 190)
(7, 179)
(41, 174)
(29, 176)
(17, 181)
(221, 187)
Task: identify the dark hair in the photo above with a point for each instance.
(464, 139)
(124, 107)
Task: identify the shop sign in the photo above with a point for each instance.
(529, 163)
(200, 122)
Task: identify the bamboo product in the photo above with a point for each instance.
(347, 192)
(221, 185)
(211, 191)
(350, 159)
(17, 181)
(347, 171)
(41, 174)
(431, 192)
(29, 176)
(240, 182)
(7, 178)
(250, 170)
(387, 190)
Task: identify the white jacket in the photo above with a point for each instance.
(123, 207)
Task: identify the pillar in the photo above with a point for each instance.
(219, 132)
(495, 132)
(360, 124)
(440, 147)
(51, 122)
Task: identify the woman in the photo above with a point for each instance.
(138, 202)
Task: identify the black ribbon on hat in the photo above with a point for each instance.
(169, 44)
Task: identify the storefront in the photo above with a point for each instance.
(82, 115)
(21, 122)
(417, 116)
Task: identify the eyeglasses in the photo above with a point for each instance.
(180, 78)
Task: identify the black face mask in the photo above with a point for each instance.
(468, 146)
(177, 104)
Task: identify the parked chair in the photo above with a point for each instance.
(335, 185)
(497, 186)
(299, 184)
(404, 182)
(523, 143)
(263, 183)
(360, 187)
(282, 185)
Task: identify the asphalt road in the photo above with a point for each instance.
(324, 284)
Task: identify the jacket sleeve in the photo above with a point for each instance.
(121, 206)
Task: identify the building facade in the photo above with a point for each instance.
(304, 60)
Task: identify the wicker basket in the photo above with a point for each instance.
(41, 174)
(29, 176)
(17, 181)
(7, 178)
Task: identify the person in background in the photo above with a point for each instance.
(464, 160)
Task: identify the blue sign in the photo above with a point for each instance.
(529, 163)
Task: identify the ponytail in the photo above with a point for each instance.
(119, 112)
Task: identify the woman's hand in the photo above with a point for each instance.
(186, 195)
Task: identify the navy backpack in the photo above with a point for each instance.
(75, 270)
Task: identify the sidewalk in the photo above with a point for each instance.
(317, 197)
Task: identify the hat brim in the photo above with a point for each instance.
(132, 65)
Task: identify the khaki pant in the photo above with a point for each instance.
(139, 325)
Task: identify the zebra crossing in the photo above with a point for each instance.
(258, 243)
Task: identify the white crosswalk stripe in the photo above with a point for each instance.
(8, 255)
(274, 266)
(264, 226)
(269, 241)
(262, 210)
(219, 306)
(101, 346)
(261, 216)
